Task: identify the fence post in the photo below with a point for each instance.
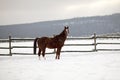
(95, 49)
(10, 46)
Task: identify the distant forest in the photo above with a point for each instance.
(80, 26)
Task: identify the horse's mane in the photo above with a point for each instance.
(62, 36)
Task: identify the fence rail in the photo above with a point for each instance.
(94, 44)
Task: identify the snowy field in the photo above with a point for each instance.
(101, 65)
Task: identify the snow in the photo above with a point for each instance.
(78, 66)
(72, 66)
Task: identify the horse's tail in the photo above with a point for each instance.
(35, 46)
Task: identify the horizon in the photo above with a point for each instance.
(19, 12)
(56, 19)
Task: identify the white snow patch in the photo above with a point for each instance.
(72, 66)
(78, 66)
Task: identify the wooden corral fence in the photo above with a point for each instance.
(94, 44)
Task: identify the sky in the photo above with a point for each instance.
(28, 11)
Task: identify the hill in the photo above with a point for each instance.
(81, 26)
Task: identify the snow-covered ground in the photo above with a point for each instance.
(72, 66)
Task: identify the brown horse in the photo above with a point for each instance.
(54, 42)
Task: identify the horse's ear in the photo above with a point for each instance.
(66, 27)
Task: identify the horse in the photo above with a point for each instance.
(55, 42)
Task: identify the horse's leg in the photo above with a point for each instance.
(58, 53)
(43, 53)
(39, 53)
(59, 50)
(54, 50)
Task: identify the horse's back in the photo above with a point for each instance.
(50, 42)
(42, 41)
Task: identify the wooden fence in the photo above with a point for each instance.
(94, 44)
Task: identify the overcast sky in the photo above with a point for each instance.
(26, 11)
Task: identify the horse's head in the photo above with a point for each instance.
(66, 29)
